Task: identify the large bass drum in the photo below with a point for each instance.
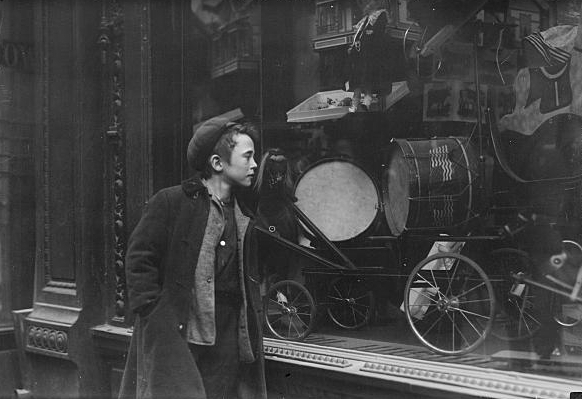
(428, 184)
(339, 197)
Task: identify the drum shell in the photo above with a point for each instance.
(340, 198)
(428, 184)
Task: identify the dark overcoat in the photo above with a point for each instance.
(160, 265)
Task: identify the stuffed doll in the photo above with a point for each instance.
(368, 56)
(275, 208)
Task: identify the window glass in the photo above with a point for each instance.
(464, 248)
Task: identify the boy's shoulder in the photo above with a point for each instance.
(190, 188)
(174, 194)
(169, 192)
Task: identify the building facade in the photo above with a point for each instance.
(97, 104)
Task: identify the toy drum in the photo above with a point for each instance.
(428, 183)
(339, 197)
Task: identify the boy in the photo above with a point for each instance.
(193, 279)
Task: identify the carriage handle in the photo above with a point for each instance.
(298, 248)
(305, 219)
(521, 278)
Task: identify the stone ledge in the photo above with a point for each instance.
(426, 375)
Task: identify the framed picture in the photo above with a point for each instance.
(527, 22)
(403, 20)
(452, 100)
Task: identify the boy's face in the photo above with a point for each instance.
(239, 171)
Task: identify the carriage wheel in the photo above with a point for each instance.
(572, 248)
(449, 303)
(289, 310)
(567, 314)
(349, 303)
(515, 317)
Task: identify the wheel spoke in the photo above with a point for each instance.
(289, 328)
(471, 323)
(279, 304)
(464, 312)
(358, 311)
(432, 325)
(304, 314)
(471, 289)
(452, 278)
(428, 282)
(455, 327)
(300, 320)
(436, 285)
(431, 309)
(280, 319)
(476, 301)
(299, 295)
(350, 287)
(523, 311)
(525, 323)
(336, 289)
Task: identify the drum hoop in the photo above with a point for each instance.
(418, 178)
(469, 174)
(379, 205)
(411, 159)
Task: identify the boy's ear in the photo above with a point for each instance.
(216, 162)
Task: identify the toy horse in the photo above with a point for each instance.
(275, 207)
(553, 267)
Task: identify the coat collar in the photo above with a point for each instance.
(193, 186)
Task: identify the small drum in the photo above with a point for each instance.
(339, 197)
(428, 183)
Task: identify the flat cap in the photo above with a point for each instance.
(205, 137)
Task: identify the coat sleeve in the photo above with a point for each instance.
(147, 247)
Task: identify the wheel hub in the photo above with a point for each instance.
(289, 310)
(447, 304)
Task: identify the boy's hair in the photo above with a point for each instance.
(226, 143)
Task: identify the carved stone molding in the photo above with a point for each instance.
(47, 339)
(459, 379)
(307, 356)
(111, 43)
(46, 330)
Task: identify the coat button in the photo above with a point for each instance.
(209, 280)
(180, 327)
(222, 243)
